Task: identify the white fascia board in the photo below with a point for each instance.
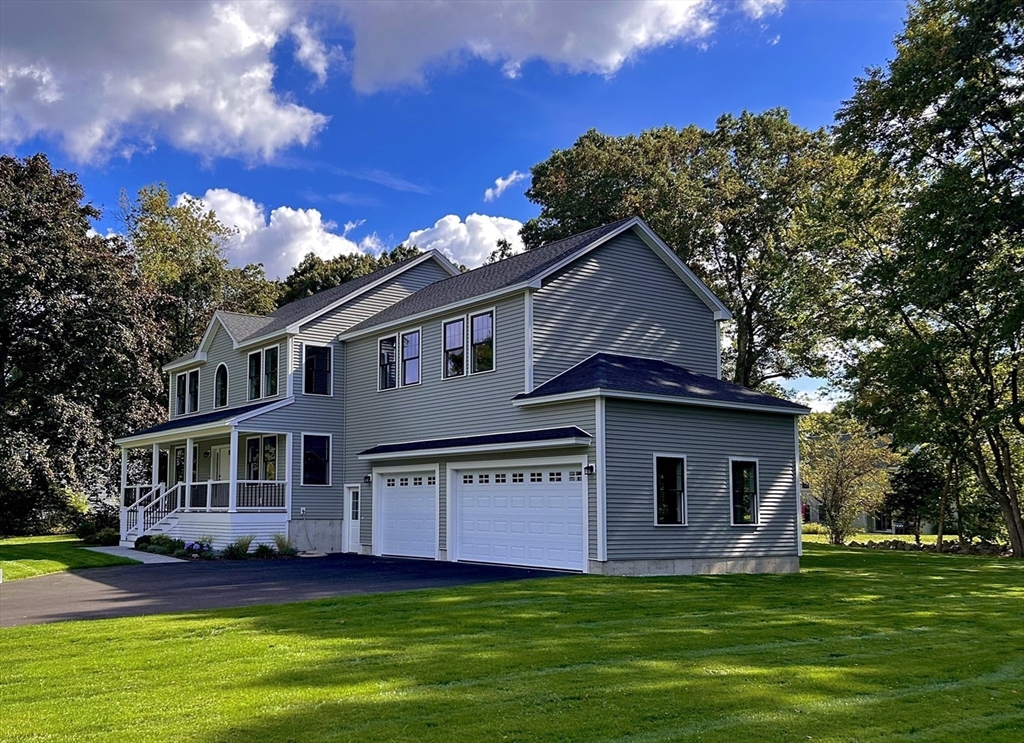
(671, 399)
(430, 254)
(214, 427)
(442, 310)
(480, 449)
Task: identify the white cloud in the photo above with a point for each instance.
(467, 242)
(396, 42)
(280, 243)
(112, 78)
(500, 184)
(312, 53)
(761, 8)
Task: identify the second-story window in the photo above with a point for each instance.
(411, 357)
(482, 343)
(193, 391)
(455, 348)
(387, 377)
(270, 371)
(220, 387)
(316, 378)
(179, 394)
(255, 365)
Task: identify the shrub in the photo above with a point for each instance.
(812, 527)
(239, 549)
(104, 538)
(85, 531)
(198, 550)
(284, 546)
(142, 542)
(161, 544)
(264, 552)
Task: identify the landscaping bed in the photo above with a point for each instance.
(202, 548)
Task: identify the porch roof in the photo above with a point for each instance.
(537, 438)
(222, 418)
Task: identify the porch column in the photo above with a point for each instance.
(120, 496)
(233, 481)
(189, 463)
(156, 465)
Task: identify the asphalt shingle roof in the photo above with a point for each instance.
(486, 279)
(614, 372)
(199, 420)
(516, 437)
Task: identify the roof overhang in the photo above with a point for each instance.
(205, 429)
(646, 397)
(485, 443)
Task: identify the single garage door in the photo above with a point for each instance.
(409, 514)
(529, 516)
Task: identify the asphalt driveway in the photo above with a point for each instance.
(135, 590)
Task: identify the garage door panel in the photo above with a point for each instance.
(525, 516)
(409, 515)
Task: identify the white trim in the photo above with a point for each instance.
(492, 311)
(227, 386)
(378, 367)
(451, 523)
(302, 460)
(347, 520)
(686, 489)
(377, 535)
(232, 472)
(155, 465)
(600, 392)
(602, 480)
(465, 356)
(440, 259)
(799, 489)
(718, 348)
(288, 461)
(302, 359)
(290, 368)
(222, 426)
(400, 360)
(481, 448)
(528, 335)
(757, 493)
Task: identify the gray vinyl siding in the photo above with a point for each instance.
(621, 298)
(437, 407)
(635, 431)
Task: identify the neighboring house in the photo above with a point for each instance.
(562, 408)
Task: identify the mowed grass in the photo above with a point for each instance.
(860, 646)
(864, 537)
(24, 557)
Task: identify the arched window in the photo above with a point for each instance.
(220, 394)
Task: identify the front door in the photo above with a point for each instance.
(221, 469)
(350, 531)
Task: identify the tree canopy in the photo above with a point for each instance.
(315, 274)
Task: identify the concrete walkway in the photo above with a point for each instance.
(146, 558)
(194, 585)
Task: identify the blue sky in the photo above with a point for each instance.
(346, 126)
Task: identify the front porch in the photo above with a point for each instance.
(208, 486)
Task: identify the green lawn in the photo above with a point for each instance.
(864, 537)
(860, 646)
(24, 557)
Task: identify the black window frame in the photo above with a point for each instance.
(387, 366)
(663, 510)
(450, 353)
(405, 361)
(324, 463)
(321, 369)
(192, 406)
(254, 376)
(268, 381)
(474, 344)
(180, 392)
(739, 497)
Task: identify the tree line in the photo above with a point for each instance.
(885, 253)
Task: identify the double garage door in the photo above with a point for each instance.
(531, 515)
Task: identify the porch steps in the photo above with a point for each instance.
(164, 527)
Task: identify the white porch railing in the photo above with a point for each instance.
(163, 506)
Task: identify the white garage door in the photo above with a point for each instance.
(408, 503)
(529, 516)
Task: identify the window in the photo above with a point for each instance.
(575, 476)
(403, 482)
(411, 357)
(261, 458)
(554, 477)
(254, 375)
(252, 458)
(431, 480)
(499, 479)
(482, 343)
(316, 460)
(220, 387)
(517, 477)
(316, 378)
(270, 371)
(744, 491)
(193, 391)
(669, 483)
(455, 348)
(391, 482)
(484, 479)
(536, 477)
(467, 479)
(179, 394)
(417, 481)
(269, 457)
(387, 379)
(355, 504)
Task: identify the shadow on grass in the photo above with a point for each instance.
(859, 646)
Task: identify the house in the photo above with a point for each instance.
(562, 408)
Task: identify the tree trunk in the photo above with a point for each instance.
(942, 504)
